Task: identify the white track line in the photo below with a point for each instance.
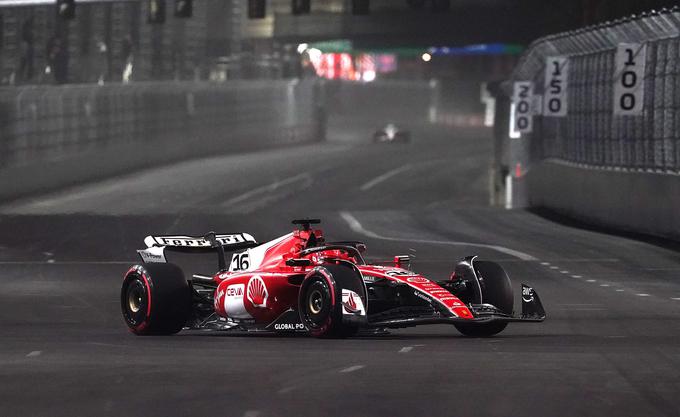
(384, 177)
(406, 349)
(268, 188)
(350, 369)
(643, 295)
(356, 227)
(285, 390)
(34, 353)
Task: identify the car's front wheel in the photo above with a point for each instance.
(320, 304)
(497, 291)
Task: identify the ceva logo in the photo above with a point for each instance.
(235, 290)
(257, 292)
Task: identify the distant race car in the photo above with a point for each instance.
(391, 134)
(300, 283)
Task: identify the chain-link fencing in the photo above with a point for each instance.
(591, 133)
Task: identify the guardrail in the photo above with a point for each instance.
(55, 136)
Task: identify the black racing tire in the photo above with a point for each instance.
(320, 303)
(496, 290)
(155, 299)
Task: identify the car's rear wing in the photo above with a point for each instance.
(228, 241)
(156, 245)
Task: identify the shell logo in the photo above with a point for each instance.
(257, 292)
(417, 280)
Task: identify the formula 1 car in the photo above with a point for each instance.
(391, 134)
(300, 283)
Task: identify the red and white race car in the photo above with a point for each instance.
(300, 283)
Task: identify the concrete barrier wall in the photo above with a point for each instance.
(53, 137)
(641, 202)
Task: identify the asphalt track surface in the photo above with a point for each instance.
(610, 346)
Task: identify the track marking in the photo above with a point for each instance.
(545, 263)
(61, 198)
(356, 227)
(406, 349)
(591, 280)
(576, 276)
(350, 369)
(269, 188)
(642, 294)
(604, 285)
(252, 413)
(564, 272)
(554, 267)
(384, 177)
(285, 390)
(620, 290)
(675, 298)
(34, 353)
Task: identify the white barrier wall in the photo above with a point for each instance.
(641, 202)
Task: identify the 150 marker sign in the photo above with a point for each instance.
(555, 89)
(522, 96)
(629, 79)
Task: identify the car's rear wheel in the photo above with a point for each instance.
(320, 305)
(497, 291)
(155, 299)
